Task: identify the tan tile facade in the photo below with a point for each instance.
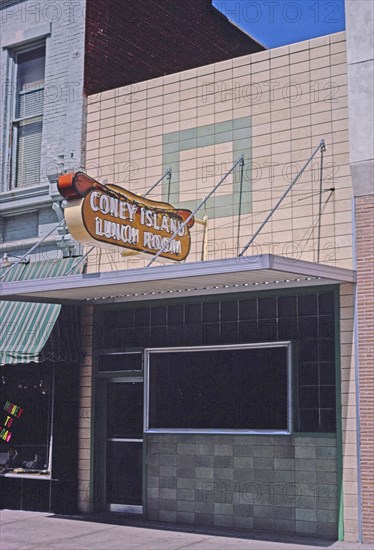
(292, 96)
(349, 417)
(274, 107)
(85, 404)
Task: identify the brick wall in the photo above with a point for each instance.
(364, 210)
(141, 39)
(270, 483)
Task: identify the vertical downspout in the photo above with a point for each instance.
(339, 423)
(357, 379)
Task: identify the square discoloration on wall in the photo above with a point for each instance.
(274, 107)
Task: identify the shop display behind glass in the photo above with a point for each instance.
(28, 387)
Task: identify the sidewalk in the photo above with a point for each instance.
(34, 530)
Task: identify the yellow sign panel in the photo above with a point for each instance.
(109, 215)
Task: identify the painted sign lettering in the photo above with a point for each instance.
(113, 216)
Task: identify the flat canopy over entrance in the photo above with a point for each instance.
(188, 279)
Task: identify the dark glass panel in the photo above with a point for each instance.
(308, 420)
(248, 309)
(126, 337)
(308, 327)
(210, 333)
(287, 328)
(192, 335)
(327, 373)
(107, 317)
(327, 350)
(307, 305)
(229, 311)
(267, 308)
(327, 397)
(125, 410)
(248, 331)
(175, 335)
(308, 397)
(142, 317)
(327, 326)
(229, 332)
(126, 318)
(31, 69)
(328, 420)
(326, 303)
(227, 389)
(192, 314)
(159, 337)
(175, 315)
(141, 337)
(26, 394)
(105, 328)
(124, 473)
(308, 374)
(308, 350)
(267, 331)
(120, 362)
(210, 312)
(287, 306)
(158, 315)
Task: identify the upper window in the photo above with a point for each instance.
(27, 121)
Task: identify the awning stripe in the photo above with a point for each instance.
(25, 327)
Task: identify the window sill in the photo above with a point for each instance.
(21, 197)
(215, 431)
(24, 475)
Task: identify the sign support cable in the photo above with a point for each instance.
(321, 147)
(24, 257)
(240, 206)
(191, 216)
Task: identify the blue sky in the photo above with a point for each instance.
(278, 22)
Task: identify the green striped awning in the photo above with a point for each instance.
(24, 326)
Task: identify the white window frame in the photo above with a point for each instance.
(260, 345)
(13, 120)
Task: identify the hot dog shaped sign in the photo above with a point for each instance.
(110, 215)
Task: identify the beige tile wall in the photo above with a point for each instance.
(295, 95)
(348, 404)
(84, 422)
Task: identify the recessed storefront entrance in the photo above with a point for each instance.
(241, 419)
(124, 445)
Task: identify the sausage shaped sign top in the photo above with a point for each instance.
(110, 215)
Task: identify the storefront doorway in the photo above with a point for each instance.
(124, 445)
